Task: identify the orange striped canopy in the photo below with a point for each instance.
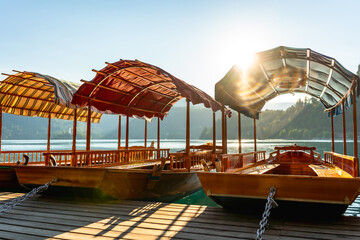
(138, 89)
(35, 94)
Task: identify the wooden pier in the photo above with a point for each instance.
(54, 218)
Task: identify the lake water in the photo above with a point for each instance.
(178, 144)
(173, 144)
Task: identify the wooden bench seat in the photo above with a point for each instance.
(329, 171)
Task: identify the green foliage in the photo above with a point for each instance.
(304, 120)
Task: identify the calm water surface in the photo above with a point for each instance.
(174, 145)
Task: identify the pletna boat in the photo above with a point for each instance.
(305, 182)
(131, 89)
(36, 95)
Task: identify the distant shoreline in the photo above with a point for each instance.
(177, 139)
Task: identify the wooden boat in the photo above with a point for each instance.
(35, 94)
(122, 174)
(116, 183)
(142, 91)
(305, 183)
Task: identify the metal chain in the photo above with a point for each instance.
(30, 195)
(264, 221)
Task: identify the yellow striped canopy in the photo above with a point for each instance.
(35, 94)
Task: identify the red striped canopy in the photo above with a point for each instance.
(138, 89)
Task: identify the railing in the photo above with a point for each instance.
(294, 151)
(17, 157)
(179, 161)
(317, 156)
(346, 163)
(232, 161)
(205, 147)
(273, 155)
(105, 157)
(196, 157)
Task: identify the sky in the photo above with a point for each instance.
(196, 41)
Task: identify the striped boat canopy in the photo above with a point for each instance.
(34, 94)
(286, 70)
(138, 89)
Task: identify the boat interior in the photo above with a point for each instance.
(298, 160)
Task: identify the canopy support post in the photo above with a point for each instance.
(119, 139)
(255, 135)
(225, 134)
(158, 139)
(239, 130)
(222, 130)
(127, 133)
(73, 160)
(356, 162)
(214, 134)
(48, 133)
(119, 133)
(127, 140)
(145, 134)
(88, 132)
(88, 128)
(332, 132)
(344, 127)
(187, 149)
(0, 125)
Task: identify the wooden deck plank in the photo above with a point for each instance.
(14, 235)
(220, 215)
(88, 231)
(253, 225)
(63, 219)
(146, 223)
(116, 224)
(156, 215)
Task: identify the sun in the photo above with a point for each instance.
(243, 62)
(245, 59)
(239, 47)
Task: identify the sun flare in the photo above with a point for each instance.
(245, 59)
(239, 47)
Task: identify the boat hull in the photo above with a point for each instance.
(8, 179)
(305, 195)
(135, 184)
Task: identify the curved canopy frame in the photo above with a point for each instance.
(35, 94)
(138, 89)
(287, 70)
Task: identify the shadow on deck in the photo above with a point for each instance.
(69, 218)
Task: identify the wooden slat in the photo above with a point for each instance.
(59, 218)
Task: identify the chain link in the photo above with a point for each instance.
(30, 195)
(264, 221)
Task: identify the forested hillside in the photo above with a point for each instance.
(304, 120)
(172, 127)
